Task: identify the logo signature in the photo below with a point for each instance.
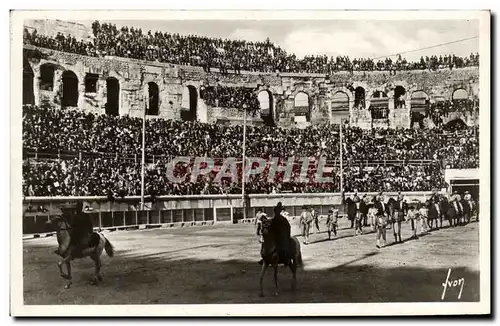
(450, 283)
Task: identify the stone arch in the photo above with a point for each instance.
(301, 106)
(399, 97)
(28, 77)
(266, 102)
(69, 89)
(456, 123)
(47, 72)
(153, 98)
(419, 101)
(339, 104)
(359, 98)
(112, 96)
(379, 105)
(189, 103)
(459, 94)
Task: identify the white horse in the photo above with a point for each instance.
(99, 243)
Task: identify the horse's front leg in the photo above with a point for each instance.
(262, 273)
(293, 268)
(66, 261)
(275, 267)
(62, 262)
(70, 278)
(97, 271)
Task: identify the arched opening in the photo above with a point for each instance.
(456, 124)
(419, 106)
(189, 103)
(359, 98)
(379, 106)
(340, 104)
(69, 89)
(419, 101)
(266, 107)
(460, 94)
(47, 77)
(153, 98)
(301, 107)
(399, 97)
(113, 96)
(28, 75)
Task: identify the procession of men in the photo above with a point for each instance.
(384, 214)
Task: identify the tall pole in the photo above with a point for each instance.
(143, 158)
(243, 161)
(341, 160)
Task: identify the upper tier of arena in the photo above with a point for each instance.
(215, 89)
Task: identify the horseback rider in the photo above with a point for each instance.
(82, 230)
(281, 230)
(436, 200)
(468, 199)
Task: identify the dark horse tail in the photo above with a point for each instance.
(110, 250)
(298, 253)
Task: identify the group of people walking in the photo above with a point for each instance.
(382, 215)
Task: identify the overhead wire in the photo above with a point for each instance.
(426, 48)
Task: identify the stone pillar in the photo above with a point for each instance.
(393, 117)
(201, 110)
(36, 84)
(81, 90)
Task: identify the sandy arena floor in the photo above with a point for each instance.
(218, 264)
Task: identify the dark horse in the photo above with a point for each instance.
(270, 253)
(469, 209)
(66, 231)
(442, 210)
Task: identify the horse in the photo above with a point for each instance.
(270, 257)
(455, 212)
(469, 209)
(98, 242)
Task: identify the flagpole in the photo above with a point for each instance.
(341, 160)
(143, 158)
(243, 161)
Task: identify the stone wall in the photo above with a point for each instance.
(133, 77)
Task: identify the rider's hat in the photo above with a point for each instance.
(467, 192)
(455, 192)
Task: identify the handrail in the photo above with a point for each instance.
(228, 196)
(51, 154)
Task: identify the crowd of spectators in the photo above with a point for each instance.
(225, 54)
(110, 176)
(393, 178)
(437, 110)
(230, 97)
(106, 140)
